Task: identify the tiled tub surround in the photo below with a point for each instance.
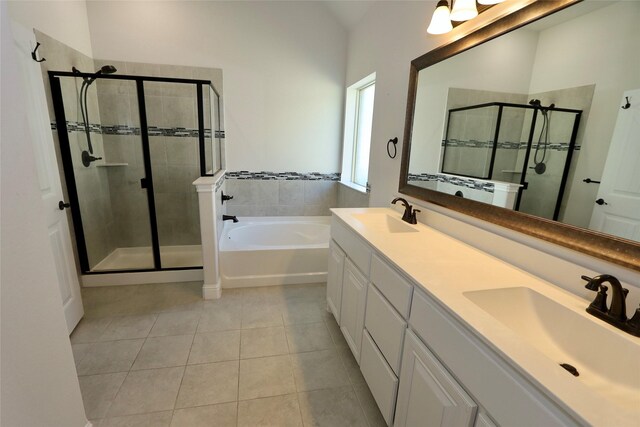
(158, 354)
(281, 194)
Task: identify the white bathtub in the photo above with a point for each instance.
(264, 251)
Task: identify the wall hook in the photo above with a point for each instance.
(33, 54)
(627, 105)
(393, 141)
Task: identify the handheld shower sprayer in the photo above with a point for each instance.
(539, 166)
(87, 81)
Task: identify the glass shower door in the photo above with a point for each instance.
(548, 163)
(172, 118)
(107, 170)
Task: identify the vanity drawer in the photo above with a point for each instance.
(357, 250)
(381, 380)
(392, 285)
(386, 327)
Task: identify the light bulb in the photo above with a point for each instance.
(440, 21)
(463, 10)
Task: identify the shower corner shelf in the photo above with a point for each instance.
(108, 165)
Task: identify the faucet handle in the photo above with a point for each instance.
(600, 301)
(633, 324)
(592, 285)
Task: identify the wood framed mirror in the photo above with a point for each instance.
(590, 107)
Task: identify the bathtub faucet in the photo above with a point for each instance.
(227, 217)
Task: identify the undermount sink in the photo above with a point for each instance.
(606, 361)
(384, 222)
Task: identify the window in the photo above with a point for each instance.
(357, 133)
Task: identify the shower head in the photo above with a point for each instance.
(534, 102)
(107, 69)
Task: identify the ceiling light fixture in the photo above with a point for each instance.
(441, 19)
(462, 10)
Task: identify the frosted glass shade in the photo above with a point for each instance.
(488, 2)
(440, 21)
(463, 10)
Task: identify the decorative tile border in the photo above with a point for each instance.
(133, 130)
(284, 176)
(454, 180)
(457, 143)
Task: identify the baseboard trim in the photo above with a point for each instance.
(211, 291)
(140, 278)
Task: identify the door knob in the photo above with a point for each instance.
(601, 202)
(62, 205)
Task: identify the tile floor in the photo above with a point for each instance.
(158, 355)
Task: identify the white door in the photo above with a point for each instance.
(48, 177)
(617, 210)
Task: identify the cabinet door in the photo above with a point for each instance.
(354, 297)
(483, 420)
(428, 395)
(334, 279)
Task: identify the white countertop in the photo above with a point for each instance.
(445, 268)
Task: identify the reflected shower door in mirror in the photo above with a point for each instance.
(525, 121)
(506, 154)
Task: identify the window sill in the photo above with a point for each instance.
(353, 186)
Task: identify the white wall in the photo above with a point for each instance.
(65, 21)
(283, 65)
(389, 36)
(39, 382)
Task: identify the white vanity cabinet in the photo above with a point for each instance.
(423, 366)
(428, 395)
(334, 279)
(354, 295)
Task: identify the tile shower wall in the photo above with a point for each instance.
(172, 120)
(92, 182)
(272, 194)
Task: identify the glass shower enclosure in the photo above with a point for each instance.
(131, 147)
(524, 144)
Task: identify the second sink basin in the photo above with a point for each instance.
(384, 222)
(606, 361)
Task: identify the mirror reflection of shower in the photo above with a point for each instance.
(507, 142)
(87, 155)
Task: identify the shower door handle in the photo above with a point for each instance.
(143, 183)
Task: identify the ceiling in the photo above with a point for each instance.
(348, 12)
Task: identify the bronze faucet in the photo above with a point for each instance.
(616, 314)
(409, 213)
